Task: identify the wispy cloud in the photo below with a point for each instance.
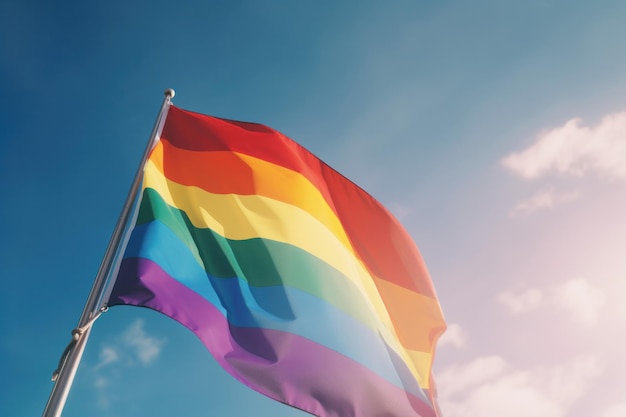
(454, 336)
(616, 410)
(578, 298)
(491, 387)
(146, 348)
(134, 346)
(581, 300)
(542, 200)
(576, 149)
(101, 383)
(457, 379)
(521, 302)
(108, 355)
(569, 381)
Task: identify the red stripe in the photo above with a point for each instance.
(378, 238)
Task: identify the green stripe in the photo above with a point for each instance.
(261, 262)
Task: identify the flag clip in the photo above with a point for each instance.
(76, 335)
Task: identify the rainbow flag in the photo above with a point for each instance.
(300, 284)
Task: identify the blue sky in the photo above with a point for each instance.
(495, 131)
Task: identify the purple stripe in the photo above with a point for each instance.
(280, 365)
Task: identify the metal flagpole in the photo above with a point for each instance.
(64, 375)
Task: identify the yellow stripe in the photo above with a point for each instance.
(422, 365)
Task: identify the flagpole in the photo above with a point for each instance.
(64, 376)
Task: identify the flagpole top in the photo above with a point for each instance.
(170, 93)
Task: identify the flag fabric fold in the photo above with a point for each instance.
(300, 284)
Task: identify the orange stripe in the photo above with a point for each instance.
(221, 172)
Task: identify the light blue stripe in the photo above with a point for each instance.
(293, 310)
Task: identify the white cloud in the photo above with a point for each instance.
(147, 348)
(512, 395)
(541, 200)
(576, 150)
(617, 410)
(490, 387)
(460, 378)
(567, 382)
(133, 345)
(522, 302)
(101, 384)
(579, 299)
(454, 336)
(108, 355)
(619, 310)
(582, 301)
